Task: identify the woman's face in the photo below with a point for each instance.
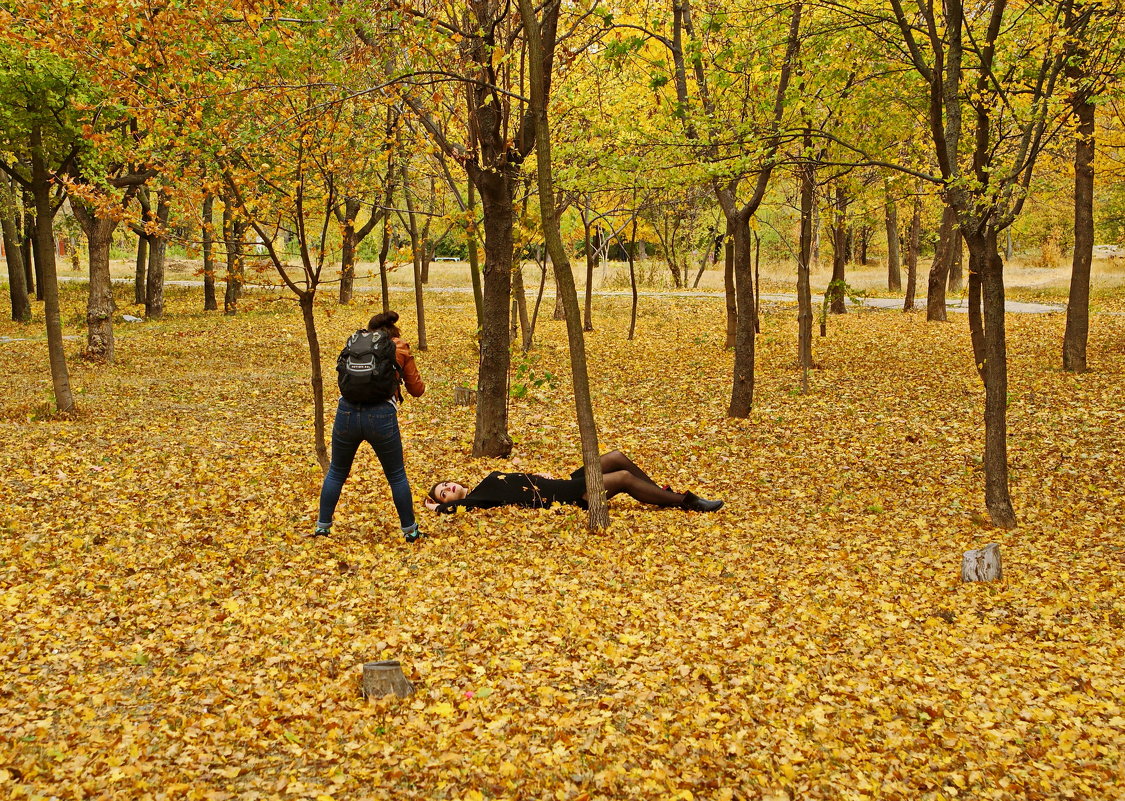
(449, 491)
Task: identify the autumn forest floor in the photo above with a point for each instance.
(170, 630)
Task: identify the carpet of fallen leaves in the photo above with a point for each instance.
(169, 629)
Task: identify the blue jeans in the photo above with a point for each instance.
(377, 424)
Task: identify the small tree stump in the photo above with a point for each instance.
(982, 564)
(385, 678)
(463, 396)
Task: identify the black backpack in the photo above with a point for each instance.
(366, 369)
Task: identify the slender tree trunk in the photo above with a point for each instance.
(633, 280)
(519, 299)
(209, 301)
(234, 230)
(728, 287)
(416, 257)
(347, 252)
(912, 247)
(956, 262)
(894, 276)
(1078, 304)
(99, 304)
(48, 282)
(529, 330)
(27, 229)
(141, 271)
(384, 250)
(17, 277)
(742, 389)
(598, 513)
(154, 283)
(996, 495)
(804, 261)
(496, 191)
(34, 258)
(839, 253)
(474, 258)
(316, 377)
(864, 235)
(588, 324)
(939, 270)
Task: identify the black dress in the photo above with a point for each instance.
(525, 489)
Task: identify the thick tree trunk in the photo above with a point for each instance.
(17, 277)
(956, 262)
(99, 304)
(491, 436)
(347, 257)
(234, 230)
(837, 284)
(154, 282)
(939, 270)
(1078, 304)
(894, 275)
(728, 288)
(913, 243)
(742, 389)
(804, 262)
(316, 377)
(45, 257)
(209, 301)
(140, 271)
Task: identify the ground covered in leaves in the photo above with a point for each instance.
(170, 630)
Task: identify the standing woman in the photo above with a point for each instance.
(377, 424)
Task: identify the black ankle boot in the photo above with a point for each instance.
(693, 503)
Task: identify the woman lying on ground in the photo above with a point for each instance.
(619, 474)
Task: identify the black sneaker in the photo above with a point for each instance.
(321, 532)
(414, 536)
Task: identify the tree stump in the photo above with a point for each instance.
(385, 678)
(982, 564)
(463, 396)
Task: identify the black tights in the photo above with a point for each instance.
(620, 474)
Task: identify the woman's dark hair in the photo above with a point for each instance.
(442, 508)
(386, 321)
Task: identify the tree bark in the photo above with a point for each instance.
(728, 288)
(99, 304)
(208, 237)
(598, 509)
(588, 322)
(141, 269)
(384, 250)
(1078, 304)
(48, 282)
(347, 250)
(17, 277)
(956, 262)
(894, 275)
(912, 247)
(474, 257)
(982, 564)
(234, 230)
(154, 282)
(939, 270)
(742, 388)
(496, 192)
(633, 280)
(416, 257)
(804, 261)
(839, 253)
(316, 377)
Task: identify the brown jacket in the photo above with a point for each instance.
(408, 369)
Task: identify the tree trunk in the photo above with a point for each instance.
(141, 269)
(982, 564)
(154, 282)
(384, 249)
(588, 324)
(939, 270)
(598, 511)
(234, 230)
(838, 282)
(894, 276)
(496, 191)
(347, 251)
(519, 298)
(416, 258)
(757, 284)
(26, 229)
(728, 287)
(209, 301)
(17, 277)
(804, 262)
(864, 236)
(633, 280)
(48, 282)
(316, 377)
(957, 260)
(1078, 304)
(742, 389)
(991, 346)
(912, 246)
(99, 304)
(34, 262)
